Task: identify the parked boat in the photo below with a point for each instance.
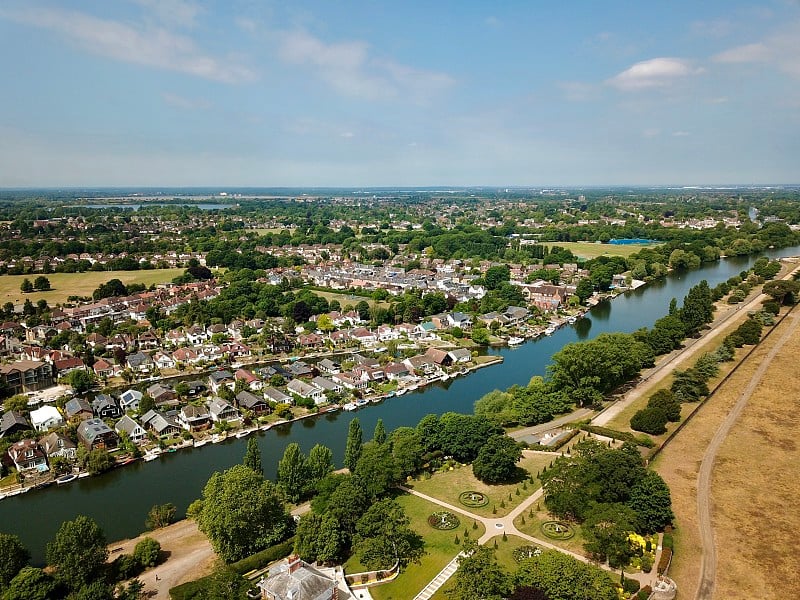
(66, 478)
(361, 402)
(152, 454)
(350, 406)
(203, 442)
(515, 341)
(243, 433)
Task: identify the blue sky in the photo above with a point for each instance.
(259, 93)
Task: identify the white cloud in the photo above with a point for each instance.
(152, 47)
(185, 103)
(173, 12)
(780, 50)
(653, 73)
(680, 134)
(351, 70)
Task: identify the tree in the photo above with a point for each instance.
(147, 552)
(376, 469)
(26, 286)
(98, 461)
(146, 403)
(97, 590)
(383, 536)
(318, 465)
(783, 291)
(241, 513)
(479, 575)
(160, 515)
(652, 420)
(319, 538)
(225, 584)
(252, 456)
(324, 323)
(461, 436)
(355, 442)
(406, 450)
(379, 436)
(348, 502)
(562, 577)
(495, 276)
(80, 380)
(41, 283)
(584, 289)
(292, 472)
(497, 460)
(698, 308)
(606, 530)
(78, 552)
(665, 400)
(13, 557)
(497, 407)
(650, 500)
(31, 584)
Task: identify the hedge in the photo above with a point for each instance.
(191, 590)
(263, 558)
(625, 436)
(663, 563)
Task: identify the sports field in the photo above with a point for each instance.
(593, 250)
(78, 284)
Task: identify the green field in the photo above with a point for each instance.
(593, 250)
(345, 299)
(78, 284)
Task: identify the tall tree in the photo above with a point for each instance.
(292, 472)
(241, 513)
(650, 500)
(497, 460)
(355, 442)
(383, 536)
(379, 435)
(319, 464)
(606, 530)
(252, 456)
(376, 469)
(479, 575)
(319, 538)
(562, 577)
(13, 557)
(78, 552)
(31, 584)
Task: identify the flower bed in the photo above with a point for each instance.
(524, 552)
(558, 530)
(443, 520)
(473, 499)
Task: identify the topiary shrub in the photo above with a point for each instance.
(650, 420)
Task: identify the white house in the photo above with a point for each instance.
(136, 432)
(305, 390)
(46, 417)
(129, 400)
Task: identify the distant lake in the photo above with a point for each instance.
(148, 204)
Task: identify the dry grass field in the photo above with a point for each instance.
(593, 250)
(754, 488)
(78, 284)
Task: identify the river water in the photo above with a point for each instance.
(119, 500)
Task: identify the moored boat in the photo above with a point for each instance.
(515, 341)
(66, 478)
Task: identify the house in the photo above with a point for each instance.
(195, 387)
(106, 407)
(395, 371)
(296, 580)
(460, 355)
(459, 319)
(363, 336)
(197, 335)
(161, 394)
(326, 385)
(253, 382)
(221, 410)
(27, 455)
(46, 417)
(130, 399)
(439, 357)
(94, 434)
(194, 418)
(26, 376)
(139, 362)
(160, 424)
(329, 366)
(186, 355)
(163, 360)
(305, 390)
(366, 361)
(132, 429)
(387, 333)
(56, 444)
(62, 366)
(104, 368)
(218, 379)
(13, 422)
(311, 340)
(77, 410)
(369, 373)
(250, 402)
(275, 395)
(235, 350)
(426, 331)
(300, 369)
(350, 380)
(516, 314)
(421, 364)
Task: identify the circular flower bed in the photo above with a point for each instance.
(443, 520)
(524, 552)
(558, 530)
(473, 499)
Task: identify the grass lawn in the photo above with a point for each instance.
(532, 527)
(345, 299)
(592, 250)
(78, 284)
(439, 545)
(448, 485)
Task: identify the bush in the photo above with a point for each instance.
(663, 563)
(772, 307)
(667, 541)
(644, 593)
(665, 400)
(647, 563)
(650, 420)
(630, 586)
(125, 566)
(263, 558)
(147, 552)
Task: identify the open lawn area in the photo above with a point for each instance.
(78, 284)
(439, 545)
(754, 484)
(448, 485)
(532, 525)
(345, 299)
(593, 250)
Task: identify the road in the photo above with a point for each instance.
(708, 564)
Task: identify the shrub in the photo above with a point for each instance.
(647, 563)
(631, 586)
(263, 558)
(665, 400)
(667, 541)
(147, 552)
(650, 420)
(644, 593)
(663, 563)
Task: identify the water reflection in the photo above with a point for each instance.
(583, 327)
(602, 311)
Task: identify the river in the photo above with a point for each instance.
(119, 500)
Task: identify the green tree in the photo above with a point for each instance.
(348, 502)
(78, 552)
(319, 538)
(26, 286)
(497, 460)
(252, 456)
(495, 276)
(225, 584)
(497, 407)
(13, 557)
(406, 450)
(31, 584)
(97, 590)
(383, 536)
(606, 531)
(379, 435)
(562, 577)
(650, 500)
(783, 291)
(318, 465)
(652, 420)
(584, 289)
(376, 469)
(241, 513)
(147, 552)
(41, 283)
(665, 400)
(160, 515)
(479, 575)
(81, 380)
(462, 436)
(292, 472)
(355, 442)
(98, 461)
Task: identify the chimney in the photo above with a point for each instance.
(294, 562)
